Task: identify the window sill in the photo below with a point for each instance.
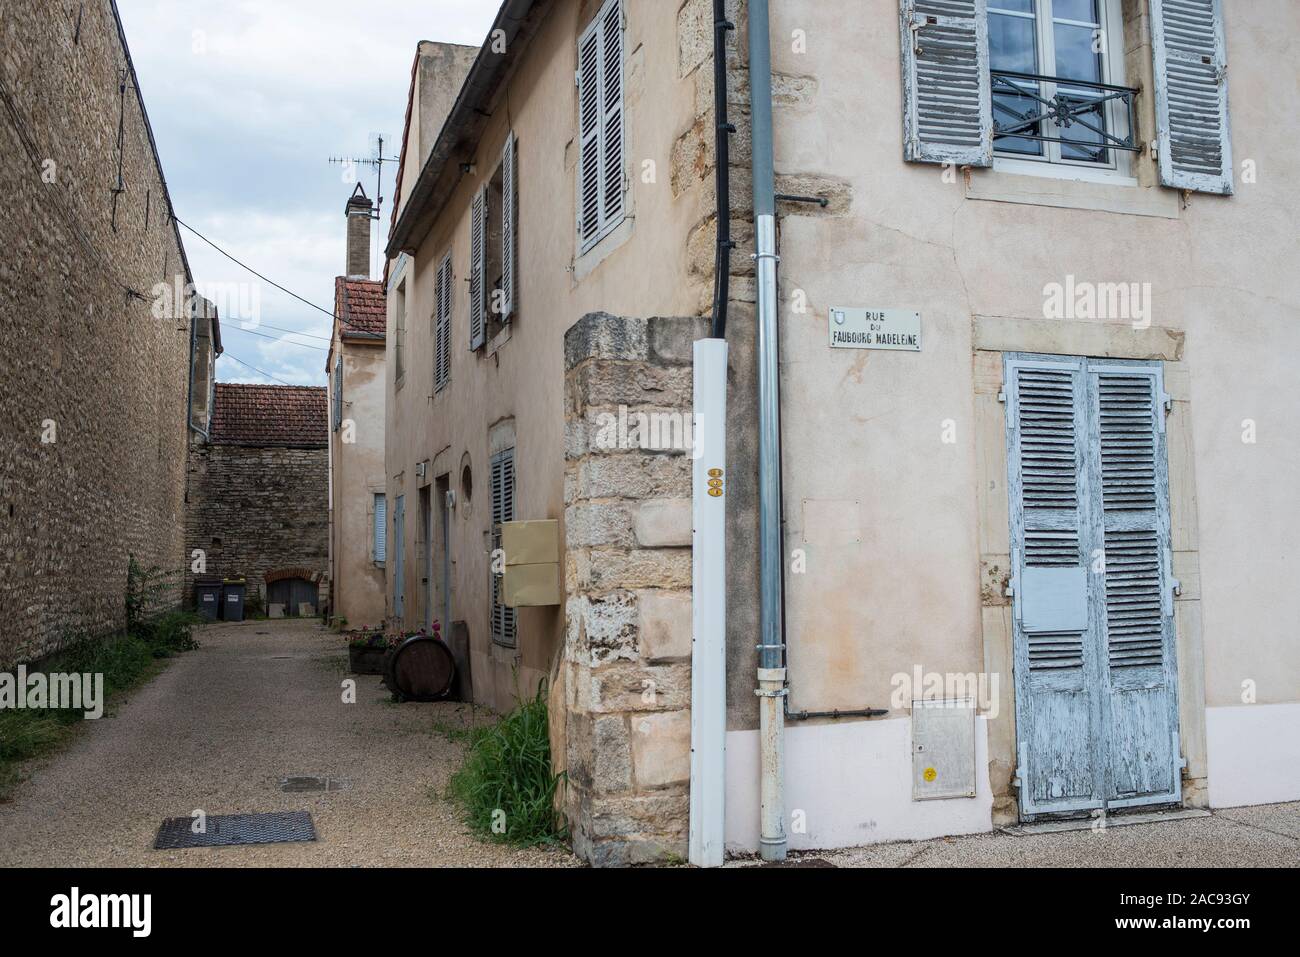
(499, 340)
(1065, 187)
(587, 262)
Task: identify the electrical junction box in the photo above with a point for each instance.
(943, 749)
(531, 578)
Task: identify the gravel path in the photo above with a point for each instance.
(219, 729)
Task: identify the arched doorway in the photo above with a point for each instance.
(293, 593)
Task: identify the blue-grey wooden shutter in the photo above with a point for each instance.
(1057, 674)
(478, 270)
(442, 325)
(612, 133)
(381, 527)
(601, 203)
(1141, 687)
(1194, 140)
(947, 104)
(589, 179)
(338, 393)
(509, 210)
(504, 619)
(399, 557)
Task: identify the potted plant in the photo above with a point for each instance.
(367, 651)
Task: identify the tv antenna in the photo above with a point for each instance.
(377, 160)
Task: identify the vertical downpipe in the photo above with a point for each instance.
(771, 659)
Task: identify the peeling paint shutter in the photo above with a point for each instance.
(947, 106)
(381, 527)
(600, 108)
(1191, 78)
(504, 619)
(477, 270)
(1056, 672)
(1141, 704)
(1096, 702)
(442, 325)
(509, 209)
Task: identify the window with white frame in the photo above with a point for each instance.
(601, 177)
(1055, 68)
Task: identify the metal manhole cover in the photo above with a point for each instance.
(288, 827)
(299, 783)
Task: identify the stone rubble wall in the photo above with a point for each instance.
(626, 671)
(255, 510)
(84, 358)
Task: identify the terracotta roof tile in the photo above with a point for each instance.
(361, 302)
(283, 415)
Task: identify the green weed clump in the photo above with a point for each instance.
(505, 786)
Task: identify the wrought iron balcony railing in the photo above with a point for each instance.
(1072, 103)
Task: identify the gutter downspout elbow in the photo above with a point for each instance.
(771, 665)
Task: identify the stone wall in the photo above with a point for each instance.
(255, 510)
(93, 382)
(626, 672)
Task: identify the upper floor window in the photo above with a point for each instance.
(1054, 69)
(494, 250)
(601, 177)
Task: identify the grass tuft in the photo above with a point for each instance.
(505, 786)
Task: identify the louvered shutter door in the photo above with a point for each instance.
(504, 619)
(381, 528)
(1191, 79)
(477, 270)
(589, 108)
(1128, 406)
(947, 105)
(442, 324)
(1056, 671)
(509, 206)
(612, 120)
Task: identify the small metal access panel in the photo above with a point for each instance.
(943, 749)
(288, 827)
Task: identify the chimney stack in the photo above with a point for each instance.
(358, 209)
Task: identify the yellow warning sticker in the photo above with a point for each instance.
(931, 774)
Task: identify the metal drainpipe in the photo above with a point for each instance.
(771, 665)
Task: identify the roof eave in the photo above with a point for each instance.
(462, 124)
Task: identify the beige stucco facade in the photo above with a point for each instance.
(897, 521)
(356, 478)
(510, 394)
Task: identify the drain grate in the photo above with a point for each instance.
(289, 827)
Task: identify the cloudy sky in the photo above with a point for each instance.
(249, 99)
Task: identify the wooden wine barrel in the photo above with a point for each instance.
(421, 669)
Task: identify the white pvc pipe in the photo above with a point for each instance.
(709, 607)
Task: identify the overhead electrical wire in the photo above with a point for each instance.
(227, 355)
(259, 275)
